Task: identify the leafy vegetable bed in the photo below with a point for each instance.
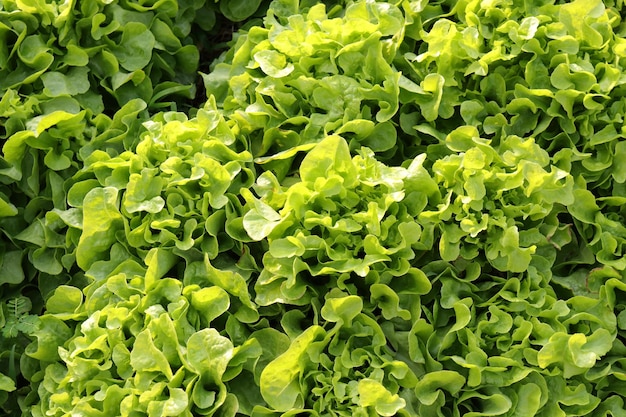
(354, 208)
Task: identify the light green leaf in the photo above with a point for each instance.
(584, 207)
(40, 123)
(260, 220)
(490, 405)
(159, 262)
(287, 247)
(203, 273)
(273, 63)
(65, 300)
(146, 357)
(174, 406)
(389, 302)
(273, 343)
(6, 384)
(528, 401)
(211, 302)
(208, 353)
(279, 382)
(342, 310)
(144, 192)
(373, 394)
(576, 353)
(331, 155)
(430, 385)
(52, 333)
(101, 221)
(7, 209)
(619, 162)
(382, 138)
(576, 16)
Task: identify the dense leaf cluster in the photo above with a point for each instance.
(381, 208)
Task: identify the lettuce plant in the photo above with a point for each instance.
(76, 79)
(545, 70)
(39, 228)
(62, 66)
(146, 345)
(168, 185)
(504, 202)
(347, 218)
(141, 214)
(308, 73)
(96, 52)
